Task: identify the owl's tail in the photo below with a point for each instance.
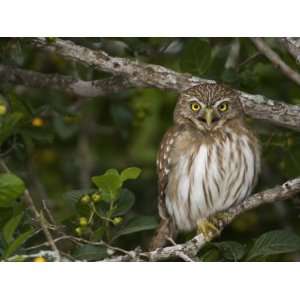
(165, 233)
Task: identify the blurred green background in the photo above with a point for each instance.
(66, 139)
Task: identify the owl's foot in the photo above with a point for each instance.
(208, 228)
(221, 218)
(211, 226)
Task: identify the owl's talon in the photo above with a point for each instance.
(207, 228)
(221, 217)
(211, 226)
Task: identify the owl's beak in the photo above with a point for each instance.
(209, 115)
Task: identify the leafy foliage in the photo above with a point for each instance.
(63, 149)
(274, 242)
(104, 214)
(11, 187)
(264, 248)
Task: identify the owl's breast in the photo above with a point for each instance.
(209, 178)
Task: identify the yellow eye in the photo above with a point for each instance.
(195, 106)
(223, 107)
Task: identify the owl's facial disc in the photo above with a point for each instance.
(208, 107)
(208, 115)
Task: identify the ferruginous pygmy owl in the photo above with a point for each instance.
(207, 162)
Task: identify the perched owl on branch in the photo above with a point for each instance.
(207, 162)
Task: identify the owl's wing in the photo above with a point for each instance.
(166, 227)
(163, 169)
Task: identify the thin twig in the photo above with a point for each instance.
(275, 59)
(38, 215)
(79, 240)
(248, 59)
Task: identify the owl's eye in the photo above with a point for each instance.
(223, 107)
(195, 106)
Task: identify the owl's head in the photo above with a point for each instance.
(207, 106)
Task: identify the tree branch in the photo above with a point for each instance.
(68, 84)
(276, 60)
(191, 248)
(140, 74)
(293, 47)
(187, 251)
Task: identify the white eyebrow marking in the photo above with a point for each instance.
(192, 99)
(220, 101)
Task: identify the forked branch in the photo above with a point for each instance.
(139, 74)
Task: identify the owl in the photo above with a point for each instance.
(207, 162)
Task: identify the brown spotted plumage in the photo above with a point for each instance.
(207, 162)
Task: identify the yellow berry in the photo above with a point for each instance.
(85, 199)
(83, 221)
(96, 197)
(78, 231)
(37, 122)
(117, 220)
(40, 259)
(3, 109)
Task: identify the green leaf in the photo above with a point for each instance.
(232, 251)
(137, 224)
(196, 56)
(11, 187)
(124, 204)
(90, 252)
(10, 227)
(210, 255)
(17, 243)
(8, 125)
(112, 171)
(274, 242)
(130, 173)
(110, 182)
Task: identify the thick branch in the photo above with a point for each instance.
(190, 248)
(276, 60)
(68, 84)
(140, 74)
